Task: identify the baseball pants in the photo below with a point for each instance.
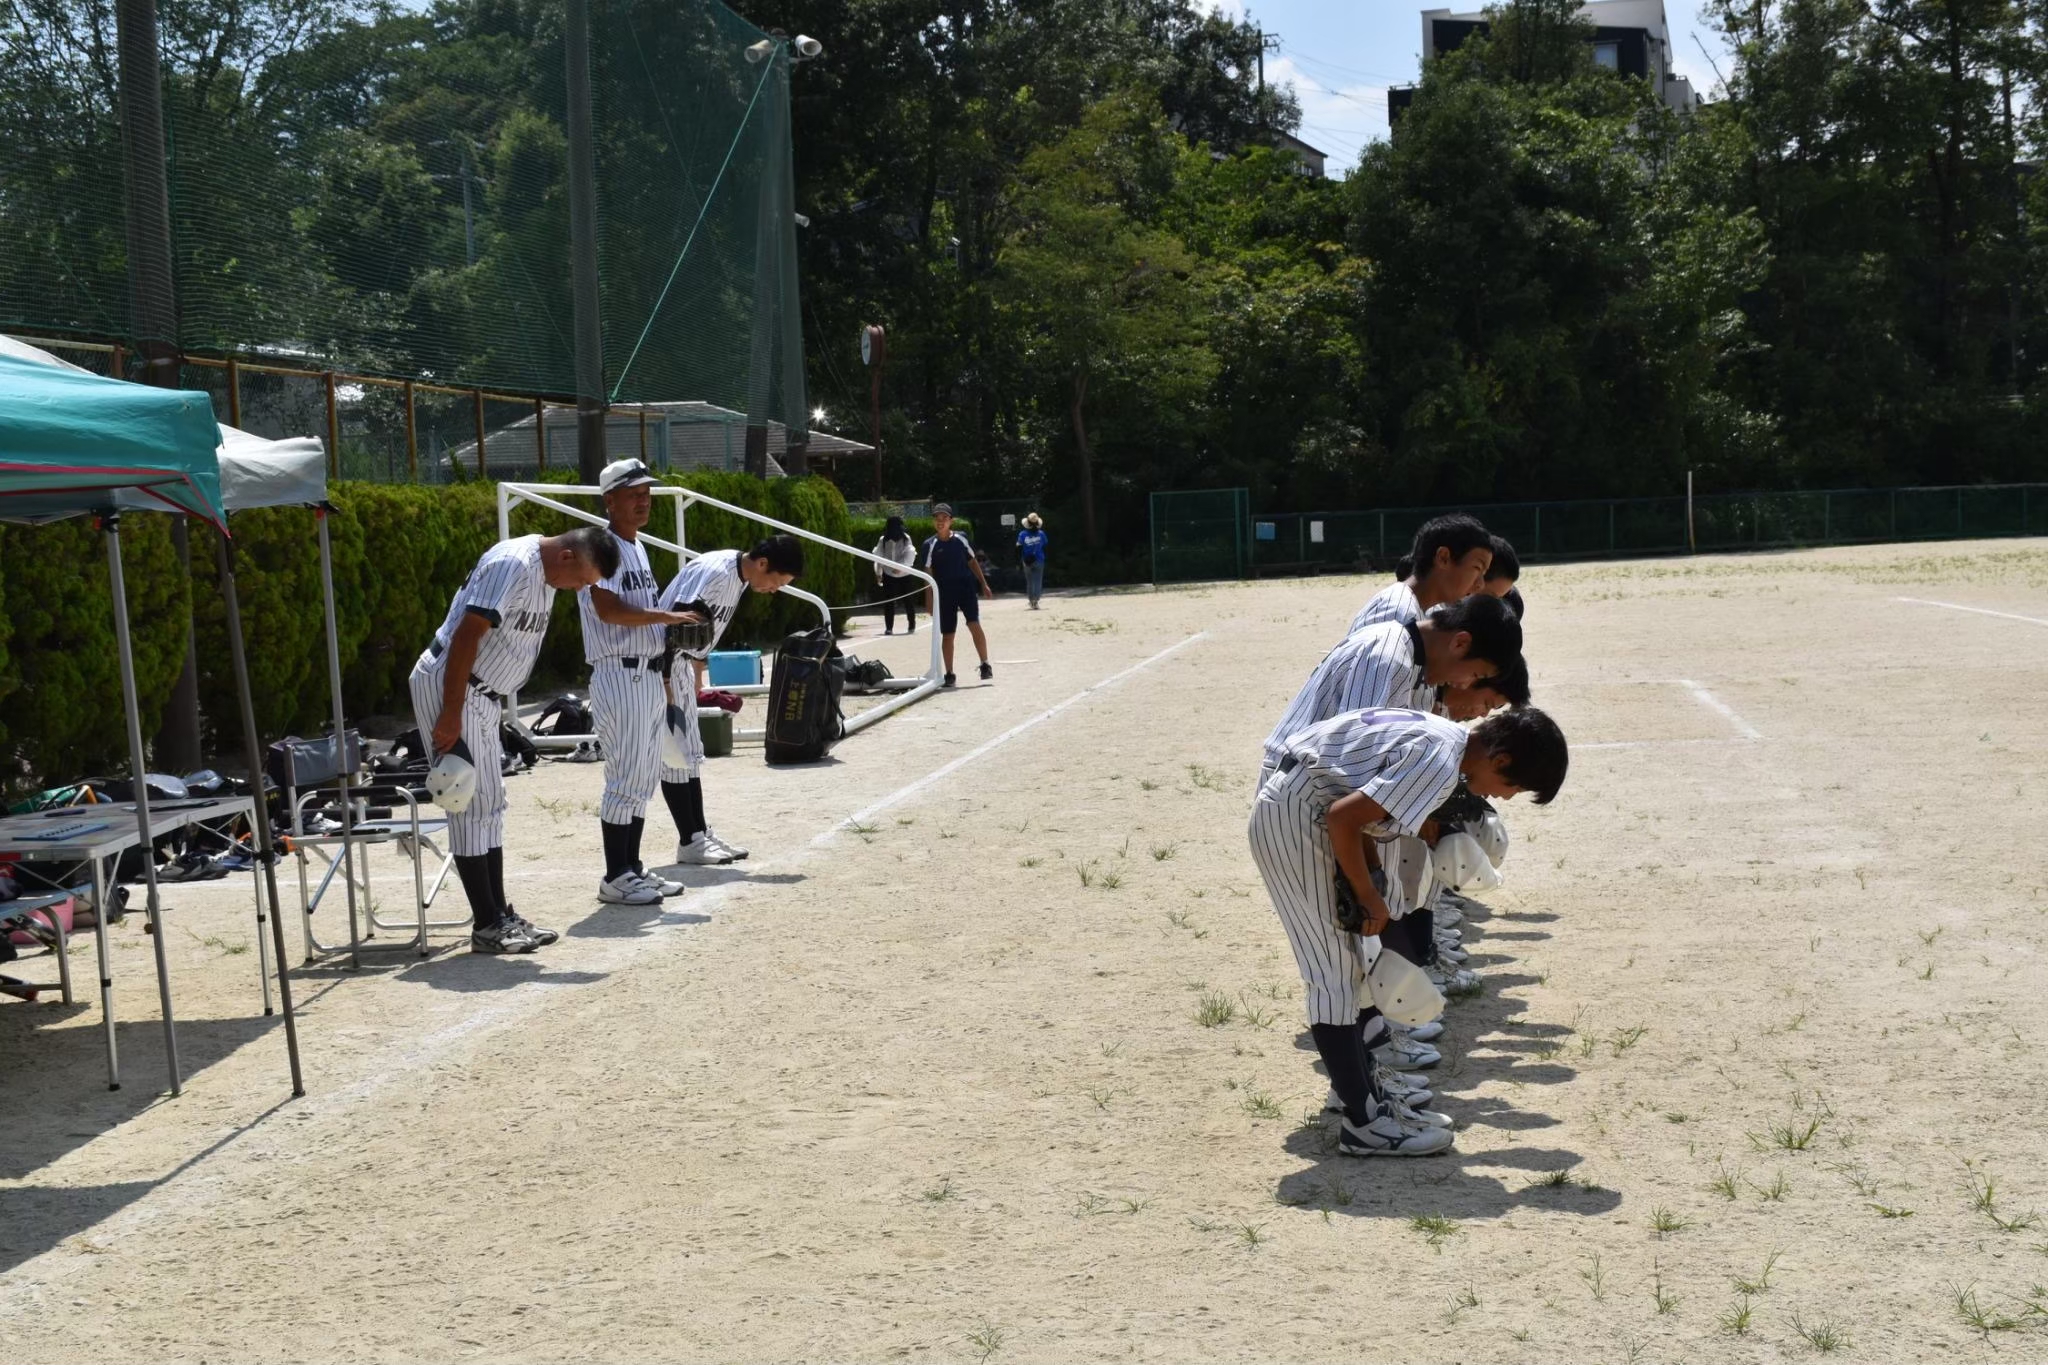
(1292, 849)
(692, 737)
(480, 828)
(629, 706)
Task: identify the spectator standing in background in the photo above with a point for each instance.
(950, 560)
(1031, 554)
(895, 546)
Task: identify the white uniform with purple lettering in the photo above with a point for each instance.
(507, 588)
(713, 579)
(626, 697)
(1406, 761)
(1379, 666)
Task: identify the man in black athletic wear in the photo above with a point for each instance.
(948, 558)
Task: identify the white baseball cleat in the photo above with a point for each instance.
(702, 852)
(667, 886)
(1421, 1033)
(628, 889)
(1387, 1134)
(735, 850)
(1402, 1054)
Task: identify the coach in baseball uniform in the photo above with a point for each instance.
(623, 644)
(485, 649)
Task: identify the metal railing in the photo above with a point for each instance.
(550, 495)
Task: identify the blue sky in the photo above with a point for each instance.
(1341, 55)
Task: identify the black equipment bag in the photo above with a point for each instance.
(303, 763)
(804, 719)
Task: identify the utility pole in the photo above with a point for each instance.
(153, 311)
(587, 332)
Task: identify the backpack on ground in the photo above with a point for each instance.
(804, 720)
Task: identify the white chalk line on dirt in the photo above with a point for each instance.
(1650, 743)
(188, 1187)
(904, 793)
(1980, 611)
(1714, 703)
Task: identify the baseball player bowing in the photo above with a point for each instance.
(713, 585)
(484, 650)
(1374, 773)
(1448, 560)
(623, 644)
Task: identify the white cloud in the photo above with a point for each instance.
(1340, 115)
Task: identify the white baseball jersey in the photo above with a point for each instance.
(633, 585)
(508, 589)
(713, 579)
(1380, 666)
(1407, 761)
(1395, 602)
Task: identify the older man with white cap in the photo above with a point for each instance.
(623, 644)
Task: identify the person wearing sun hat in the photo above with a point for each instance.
(1031, 554)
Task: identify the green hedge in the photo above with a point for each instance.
(400, 552)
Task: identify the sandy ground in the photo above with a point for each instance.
(927, 1079)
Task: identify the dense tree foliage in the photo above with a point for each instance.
(1099, 275)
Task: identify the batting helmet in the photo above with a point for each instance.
(1492, 836)
(451, 782)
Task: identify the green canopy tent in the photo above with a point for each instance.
(77, 444)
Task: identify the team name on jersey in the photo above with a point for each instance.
(530, 622)
(634, 580)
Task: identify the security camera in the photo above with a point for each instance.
(761, 51)
(808, 47)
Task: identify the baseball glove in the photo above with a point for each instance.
(691, 637)
(1351, 913)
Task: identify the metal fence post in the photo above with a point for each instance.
(1895, 514)
(1537, 536)
(1610, 528)
(540, 435)
(1959, 511)
(1383, 535)
(333, 430)
(1827, 518)
(412, 437)
(234, 392)
(477, 398)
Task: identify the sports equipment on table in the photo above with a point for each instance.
(804, 719)
(1460, 863)
(1386, 1134)
(675, 750)
(1404, 993)
(628, 888)
(451, 781)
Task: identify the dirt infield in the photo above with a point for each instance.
(946, 1074)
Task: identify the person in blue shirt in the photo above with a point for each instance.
(949, 559)
(1031, 553)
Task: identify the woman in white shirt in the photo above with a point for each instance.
(896, 546)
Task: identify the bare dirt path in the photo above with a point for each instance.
(1768, 975)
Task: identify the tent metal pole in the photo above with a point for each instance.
(111, 524)
(348, 821)
(266, 846)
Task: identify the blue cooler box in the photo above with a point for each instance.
(735, 668)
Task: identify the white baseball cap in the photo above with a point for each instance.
(1403, 991)
(624, 474)
(1492, 835)
(451, 782)
(1461, 862)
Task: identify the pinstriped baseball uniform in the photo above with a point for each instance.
(1395, 602)
(627, 702)
(1375, 667)
(713, 579)
(508, 589)
(1404, 760)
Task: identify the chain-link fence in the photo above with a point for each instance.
(388, 200)
(1204, 534)
(1200, 535)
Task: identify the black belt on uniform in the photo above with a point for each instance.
(476, 683)
(652, 664)
(1289, 763)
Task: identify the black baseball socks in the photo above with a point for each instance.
(1344, 1058)
(686, 804)
(617, 856)
(475, 871)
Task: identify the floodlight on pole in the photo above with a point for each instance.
(761, 51)
(808, 47)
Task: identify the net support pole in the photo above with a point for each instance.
(348, 816)
(412, 437)
(1692, 545)
(587, 331)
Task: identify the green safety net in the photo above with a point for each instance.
(388, 197)
(1201, 535)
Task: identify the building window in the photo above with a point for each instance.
(1607, 55)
